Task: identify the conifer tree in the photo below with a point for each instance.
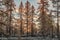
(56, 10)
(46, 22)
(27, 12)
(3, 19)
(21, 8)
(32, 16)
(10, 7)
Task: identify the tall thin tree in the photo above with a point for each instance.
(57, 19)
(21, 11)
(32, 28)
(27, 8)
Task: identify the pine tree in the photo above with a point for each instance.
(3, 19)
(27, 11)
(10, 6)
(56, 14)
(46, 22)
(32, 16)
(21, 8)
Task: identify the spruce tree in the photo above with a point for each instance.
(32, 16)
(21, 10)
(27, 12)
(10, 6)
(45, 20)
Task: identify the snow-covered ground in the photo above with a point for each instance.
(27, 38)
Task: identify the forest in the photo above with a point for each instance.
(28, 21)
